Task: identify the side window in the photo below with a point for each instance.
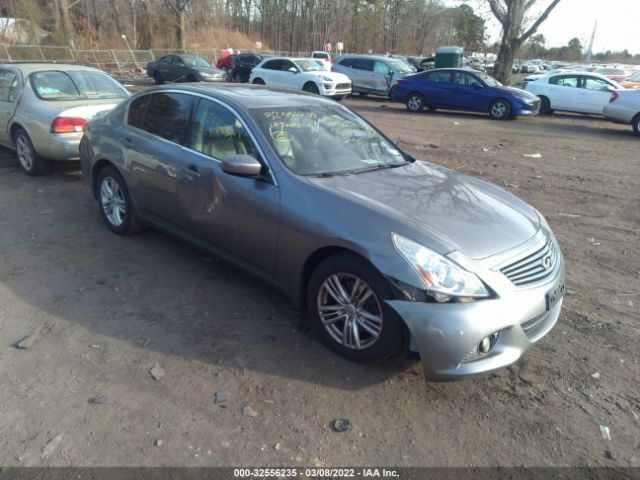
(593, 83)
(363, 64)
(440, 77)
(381, 67)
(462, 78)
(166, 59)
(287, 64)
(167, 115)
(347, 62)
(177, 61)
(273, 65)
(137, 109)
(8, 86)
(565, 81)
(216, 132)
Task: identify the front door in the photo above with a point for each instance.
(238, 215)
(593, 95)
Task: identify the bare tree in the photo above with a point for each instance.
(512, 15)
(179, 8)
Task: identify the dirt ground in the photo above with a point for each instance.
(106, 309)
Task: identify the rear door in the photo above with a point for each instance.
(593, 94)
(437, 89)
(10, 89)
(364, 73)
(152, 144)
(238, 215)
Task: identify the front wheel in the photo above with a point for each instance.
(500, 110)
(415, 102)
(30, 162)
(311, 87)
(258, 81)
(545, 106)
(346, 299)
(636, 125)
(158, 78)
(115, 203)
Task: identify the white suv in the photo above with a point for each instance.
(301, 74)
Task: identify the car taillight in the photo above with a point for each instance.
(614, 97)
(68, 125)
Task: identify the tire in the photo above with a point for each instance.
(500, 110)
(191, 79)
(311, 87)
(363, 94)
(158, 78)
(545, 106)
(379, 339)
(112, 189)
(339, 98)
(258, 81)
(30, 162)
(635, 123)
(415, 103)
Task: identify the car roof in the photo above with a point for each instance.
(372, 57)
(27, 68)
(248, 96)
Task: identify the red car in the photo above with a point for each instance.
(225, 63)
(617, 74)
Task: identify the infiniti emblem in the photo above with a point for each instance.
(546, 263)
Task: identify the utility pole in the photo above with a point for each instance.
(590, 49)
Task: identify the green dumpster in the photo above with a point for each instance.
(449, 57)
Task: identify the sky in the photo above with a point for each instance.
(618, 23)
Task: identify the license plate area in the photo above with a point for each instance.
(553, 296)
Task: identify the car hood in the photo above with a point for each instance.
(516, 92)
(462, 213)
(335, 76)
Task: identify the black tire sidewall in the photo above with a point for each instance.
(636, 125)
(258, 81)
(129, 219)
(311, 87)
(39, 165)
(391, 338)
(158, 78)
(421, 102)
(545, 106)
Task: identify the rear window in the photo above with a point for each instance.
(75, 85)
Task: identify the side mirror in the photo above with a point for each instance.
(293, 70)
(241, 165)
(477, 85)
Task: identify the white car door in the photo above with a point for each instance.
(593, 95)
(270, 72)
(289, 78)
(562, 91)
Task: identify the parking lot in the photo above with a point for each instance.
(245, 380)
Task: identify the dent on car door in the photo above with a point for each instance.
(237, 215)
(151, 144)
(10, 89)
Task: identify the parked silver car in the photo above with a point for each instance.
(384, 251)
(45, 108)
(624, 107)
(370, 74)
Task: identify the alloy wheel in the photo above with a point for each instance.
(113, 201)
(24, 153)
(499, 110)
(350, 311)
(415, 103)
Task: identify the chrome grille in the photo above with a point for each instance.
(534, 266)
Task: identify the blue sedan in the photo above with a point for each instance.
(460, 89)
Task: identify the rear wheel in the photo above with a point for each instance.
(30, 162)
(635, 123)
(258, 81)
(346, 299)
(363, 94)
(415, 102)
(311, 87)
(191, 79)
(545, 106)
(115, 203)
(158, 78)
(500, 110)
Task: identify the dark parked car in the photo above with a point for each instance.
(385, 252)
(243, 64)
(183, 68)
(461, 89)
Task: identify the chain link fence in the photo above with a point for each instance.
(121, 62)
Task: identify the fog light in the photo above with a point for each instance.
(487, 343)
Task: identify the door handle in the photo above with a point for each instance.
(192, 171)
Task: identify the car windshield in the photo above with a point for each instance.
(322, 140)
(309, 66)
(195, 62)
(399, 66)
(489, 81)
(75, 85)
(635, 77)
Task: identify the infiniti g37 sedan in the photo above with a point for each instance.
(385, 252)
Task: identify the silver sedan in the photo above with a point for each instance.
(45, 108)
(387, 253)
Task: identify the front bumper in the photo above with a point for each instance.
(528, 109)
(334, 90)
(447, 335)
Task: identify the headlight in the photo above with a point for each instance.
(326, 79)
(442, 278)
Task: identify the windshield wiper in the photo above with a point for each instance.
(380, 166)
